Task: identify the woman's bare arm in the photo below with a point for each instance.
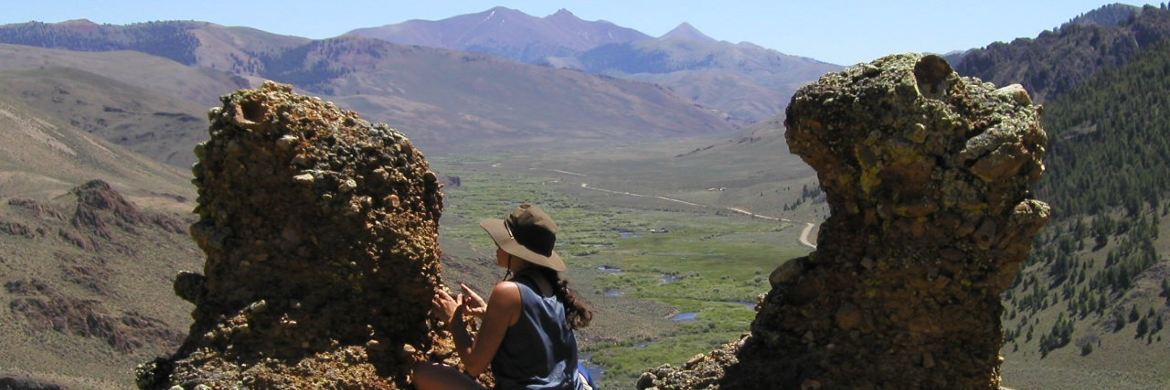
(503, 310)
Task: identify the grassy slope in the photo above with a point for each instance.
(1119, 359)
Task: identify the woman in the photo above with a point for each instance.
(527, 324)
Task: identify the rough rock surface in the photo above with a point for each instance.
(927, 176)
(320, 232)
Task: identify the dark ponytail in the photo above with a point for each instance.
(577, 311)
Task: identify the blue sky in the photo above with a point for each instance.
(842, 32)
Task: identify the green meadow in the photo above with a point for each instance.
(668, 279)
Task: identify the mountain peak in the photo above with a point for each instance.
(562, 13)
(687, 31)
(564, 16)
(501, 11)
(79, 25)
(81, 22)
(1111, 15)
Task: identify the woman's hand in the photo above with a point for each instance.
(472, 303)
(444, 306)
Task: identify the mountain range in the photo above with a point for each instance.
(445, 100)
(507, 33)
(748, 82)
(710, 86)
(125, 105)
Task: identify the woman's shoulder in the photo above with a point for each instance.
(507, 290)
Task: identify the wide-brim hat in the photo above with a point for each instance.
(528, 233)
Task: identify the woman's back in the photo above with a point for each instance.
(540, 350)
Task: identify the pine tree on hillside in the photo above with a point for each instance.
(1107, 153)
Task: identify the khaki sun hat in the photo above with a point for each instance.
(528, 233)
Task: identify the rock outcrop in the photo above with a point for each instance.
(928, 177)
(320, 232)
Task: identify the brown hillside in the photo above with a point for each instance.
(203, 86)
(83, 262)
(198, 44)
(1057, 62)
(161, 127)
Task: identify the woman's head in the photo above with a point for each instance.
(511, 262)
(528, 234)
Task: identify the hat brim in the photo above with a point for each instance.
(499, 232)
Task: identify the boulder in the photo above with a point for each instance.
(320, 232)
(928, 177)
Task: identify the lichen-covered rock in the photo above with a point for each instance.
(320, 232)
(700, 372)
(928, 176)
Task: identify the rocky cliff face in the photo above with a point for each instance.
(320, 232)
(928, 178)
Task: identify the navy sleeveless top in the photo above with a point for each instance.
(540, 350)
